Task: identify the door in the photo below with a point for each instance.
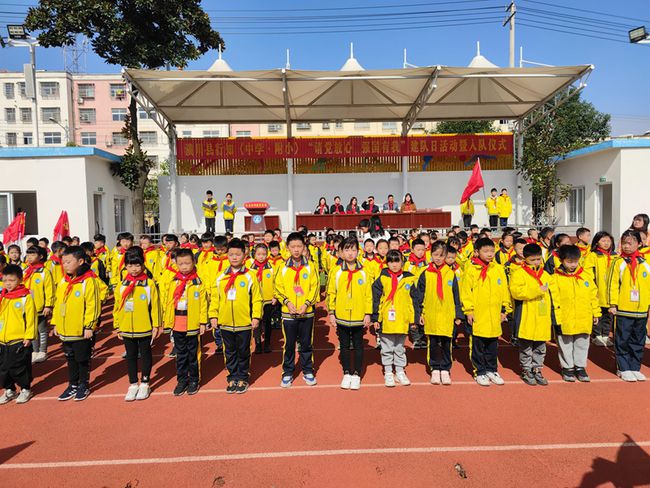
(99, 213)
(6, 209)
(605, 211)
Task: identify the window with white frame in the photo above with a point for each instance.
(120, 214)
(48, 113)
(22, 89)
(118, 91)
(87, 115)
(274, 128)
(361, 125)
(86, 91)
(9, 91)
(210, 133)
(303, 126)
(52, 137)
(26, 115)
(187, 133)
(576, 205)
(28, 139)
(49, 90)
(89, 138)
(10, 115)
(338, 125)
(118, 139)
(148, 137)
(12, 139)
(143, 115)
(389, 126)
(118, 114)
(243, 133)
(326, 126)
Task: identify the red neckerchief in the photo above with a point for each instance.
(122, 253)
(19, 292)
(484, 267)
(438, 271)
(180, 287)
(405, 247)
(31, 269)
(55, 259)
(535, 274)
(353, 208)
(233, 277)
(555, 254)
(168, 261)
(131, 286)
(101, 250)
(415, 261)
(186, 245)
(463, 247)
(275, 259)
(454, 266)
(365, 256)
(633, 261)
(576, 274)
(394, 282)
(351, 275)
(220, 259)
(390, 206)
(260, 268)
(321, 209)
(530, 240)
(606, 253)
(204, 253)
(296, 279)
(584, 248)
(73, 281)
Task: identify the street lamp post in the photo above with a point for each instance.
(67, 131)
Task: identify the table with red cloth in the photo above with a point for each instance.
(427, 219)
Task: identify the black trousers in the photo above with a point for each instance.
(354, 335)
(484, 354)
(494, 222)
(265, 325)
(77, 353)
(629, 342)
(439, 352)
(298, 330)
(16, 366)
(187, 357)
(209, 224)
(134, 346)
(467, 220)
(237, 353)
(229, 225)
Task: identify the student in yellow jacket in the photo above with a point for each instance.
(467, 212)
(415, 264)
(265, 272)
(101, 251)
(599, 262)
(349, 302)
(236, 309)
(53, 264)
(486, 301)
(297, 288)
(77, 310)
(583, 243)
(629, 301)
(492, 209)
(151, 255)
(393, 294)
(138, 320)
(438, 309)
(579, 312)
(17, 331)
(118, 270)
(275, 258)
(38, 280)
(504, 206)
(537, 308)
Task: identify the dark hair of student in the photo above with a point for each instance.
(367, 241)
(532, 250)
(220, 241)
(45, 240)
(269, 231)
(183, 251)
(633, 234)
(274, 244)
(67, 240)
(555, 242)
(238, 244)
(483, 242)
(473, 226)
(134, 255)
(207, 237)
(599, 236)
(417, 242)
(338, 238)
(375, 227)
(569, 252)
(228, 195)
(546, 232)
(3, 259)
(437, 245)
(450, 249)
(364, 223)
(76, 252)
(32, 241)
(58, 245)
(530, 231)
(381, 241)
(581, 231)
(209, 192)
(516, 235)
(13, 246)
(295, 236)
(88, 247)
(520, 241)
(127, 235)
(260, 246)
(13, 270)
(194, 239)
(146, 237)
(394, 256)
(393, 239)
(485, 229)
(453, 240)
(170, 237)
(462, 235)
(646, 222)
(349, 243)
(185, 235)
(352, 233)
(493, 189)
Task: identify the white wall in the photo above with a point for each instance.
(430, 190)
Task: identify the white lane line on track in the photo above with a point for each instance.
(323, 453)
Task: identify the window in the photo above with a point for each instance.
(10, 115)
(12, 139)
(418, 125)
(274, 127)
(576, 205)
(119, 114)
(89, 138)
(26, 115)
(9, 91)
(326, 126)
(49, 89)
(87, 115)
(15, 201)
(28, 138)
(389, 126)
(149, 137)
(52, 137)
(303, 126)
(48, 113)
(143, 115)
(86, 91)
(120, 214)
(187, 133)
(118, 139)
(361, 125)
(118, 91)
(21, 89)
(153, 159)
(338, 125)
(243, 133)
(210, 133)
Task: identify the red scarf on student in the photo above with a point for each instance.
(415, 261)
(275, 259)
(101, 250)
(296, 279)
(405, 247)
(233, 277)
(632, 261)
(607, 253)
(260, 268)
(577, 274)
(183, 280)
(131, 286)
(19, 292)
(73, 281)
(438, 271)
(122, 253)
(351, 276)
(31, 269)
(537, 274)
(55, 259)
(220, 260)
(169, 261)
(394, 282)
(530, 240)
(484, 267)
(204, 254)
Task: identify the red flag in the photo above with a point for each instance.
(475, 182)
(62, 227)
(16, 230)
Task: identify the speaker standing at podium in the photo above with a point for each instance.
(229, 210)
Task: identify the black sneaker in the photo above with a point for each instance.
(82, 393)
(219, 350)
(539, 378)
(242, 387)
(193, 389)
(69, 393)
(232, 387)
(568, 375)
(582, 375)
(529, 378)
(180, 389)
(514, 341)
(258, 347)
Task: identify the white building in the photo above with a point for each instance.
(610, 183)
(45, 181)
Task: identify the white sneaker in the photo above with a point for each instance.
(435, 377)
(627, 376)
(132, 392)
(495, 378)
(24, 396)
(482, 380)
(34, 354)
(309, 378)
(9, 395)
(389, 380)
(609, 342)
(445, 377)
(40, 357)
(345, 383)
(639, 375)
(599, 341)
(402, 378)
(286, 381)
(355, 383)
(647, 340)
(144, 390)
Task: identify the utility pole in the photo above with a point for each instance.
(511, 10)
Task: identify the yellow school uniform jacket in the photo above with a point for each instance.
(503, 255)
(18, 319)
(373, 266)
(76, 311)
(598, 264)
(401, 305)
(536, 312)
(56, 269)
(209, 208)
(467, 207)
(439, 314)
(414, 267)
(203, 258)
(236, 314)
(267, 284)
(306, 290)
(118, 270)
(485, 299)
(492, 205)
(103, 254)
(152, 260)
(465, 253)
(196, 297)
(350, 304)
(552, 262)
(585, 252)
(504, 206)
(276, 261)
(141, 312)
(328, 261)
(41, 287)
(166, 269)
(578, 297)
(622, 288)
(315, 254)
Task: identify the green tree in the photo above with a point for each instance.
(464, 127)
(573, 125)
(145, 34)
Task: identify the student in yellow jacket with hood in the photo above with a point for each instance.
(38, 280)
(599, 262)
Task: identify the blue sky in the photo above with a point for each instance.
(619, 84)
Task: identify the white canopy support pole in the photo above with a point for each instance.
(405, 175)
(287, 114)
(174, 217)
(421, 101)
(520, 194)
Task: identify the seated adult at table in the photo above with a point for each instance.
(369, 206)
(321, 208)
(336, 207)
(353, 206)
(390, 205)
(376, 231)
(408, 205)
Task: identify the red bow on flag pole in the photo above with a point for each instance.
(62, 227)
(16, 230)
(475, 182)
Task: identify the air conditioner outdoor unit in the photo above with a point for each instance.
(109, 144)
(80, 100)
